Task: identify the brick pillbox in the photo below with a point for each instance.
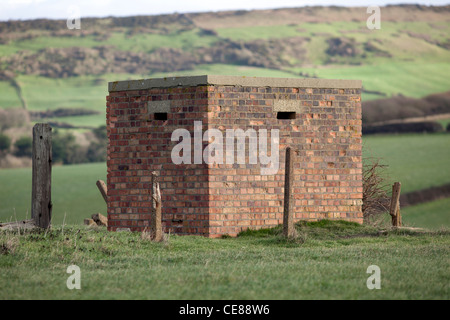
(320, 119)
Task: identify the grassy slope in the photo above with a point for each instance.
(406, 78)
(74, 193)
(329, 263)
(40, 93)
(419, 161)
(416, 68)
(9, 97)
(435, 214)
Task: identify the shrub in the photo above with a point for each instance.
(375, 190)
(5, 142)
(100, 133)
(12, 118)
(96, 152)
(24, 147)
(412, 127)
(66, 150)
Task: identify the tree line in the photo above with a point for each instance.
(66, 150)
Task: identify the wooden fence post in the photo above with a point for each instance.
(41, 194)
(395, 205)
(288, 216)
(155, 221)
(101, 185)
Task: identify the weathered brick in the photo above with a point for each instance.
(216, 199)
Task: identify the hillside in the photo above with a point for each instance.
(304, 42)
(60, 76)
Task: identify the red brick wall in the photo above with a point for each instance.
(217, 199)
(138, 145)
(326, 135)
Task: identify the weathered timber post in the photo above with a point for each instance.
(101, 185)
(288, 217)
(155, 221)
(41, 194)
(395, 205)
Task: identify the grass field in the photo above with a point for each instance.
(405, 78)
(78, 92)
(74, 193)
(418, 161)
(435, 214)
(416, 67)
(328, 261)
(89, 92)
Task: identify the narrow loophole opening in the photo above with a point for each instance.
(161, 116)
(286, 115)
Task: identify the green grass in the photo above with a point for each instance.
(92, 121)
(258, 32)
(9, 97)
(74, 193)
(40, 94)
(432, 215)
(150, 42)
(418, 161)
(406, 78)
(78, 92)
(322, 265)
(392, 38)
(444, 123)
(143, 42)
(228, 70)
(41, 42)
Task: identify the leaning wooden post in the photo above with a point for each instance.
(41, 194)
(395, 205)
(101, 185)
(155, 221)
(288, 216)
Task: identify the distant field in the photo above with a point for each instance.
(74, 193)
(434, 215)
(9, 97)
(89, 92)
(406, 78)
(436, 31)
(80, 92)
(418, 161)
(150, 42)
(403, 58)
(444, 123)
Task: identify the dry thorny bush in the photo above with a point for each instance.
(376, 200)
